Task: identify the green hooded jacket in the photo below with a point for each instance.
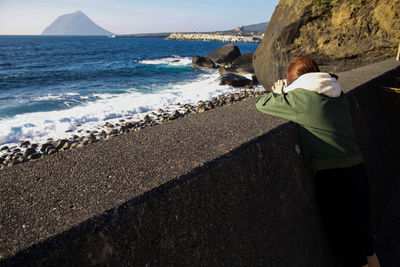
(325, 127)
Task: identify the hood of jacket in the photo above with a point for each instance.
(319, 82)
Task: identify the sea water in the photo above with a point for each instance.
(50, 85)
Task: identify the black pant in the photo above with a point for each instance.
(344, 204)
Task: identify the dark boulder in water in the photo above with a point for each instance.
(43, 147)
(29, 151)
(234, 80)
(225, 55)
(203, 62)
(241, 65)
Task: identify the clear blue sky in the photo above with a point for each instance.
(133, 16)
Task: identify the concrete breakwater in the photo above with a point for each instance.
(222, 187)
(226, 38)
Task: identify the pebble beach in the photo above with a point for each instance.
(26, 151)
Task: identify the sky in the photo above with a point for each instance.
(31, 17)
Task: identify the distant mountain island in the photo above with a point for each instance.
(74, 24)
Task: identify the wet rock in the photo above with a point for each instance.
(48, 148)
(61, 143)
(52, 151)
(24, 143)
(234, 80)
(103, 134)
(147, 119)
(90, 137)
(203, 62)
(241, 65)
(29, 151)
(83, 143)
(66, 146)
(22, 160)
(74, 145)
(44, 146)
(35, 156)
(111, 132)
(225, 55)
(35, 146)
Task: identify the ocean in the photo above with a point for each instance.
(51, 85)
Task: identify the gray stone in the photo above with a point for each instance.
(61, 143)
(203, 62)
(44, 146)
(52, 151)
(35, 156)
(29, 151)
(24, 143)
(241, 65)
(234, 80)
(147, 119)
(112, 131)
(35, 146)
(90, 137)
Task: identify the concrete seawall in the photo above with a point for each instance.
(225, 187)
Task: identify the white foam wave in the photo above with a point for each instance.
(39, 126)
(171, 61)
(48, 97)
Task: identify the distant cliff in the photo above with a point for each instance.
(338, 34)
(74, 24)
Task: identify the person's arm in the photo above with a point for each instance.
(279, 105)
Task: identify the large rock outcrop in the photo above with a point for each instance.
(338, 34)
(225, 55)
(242, 64)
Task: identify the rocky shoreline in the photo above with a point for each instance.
(227, 58)
(26, 151)
(214, 37)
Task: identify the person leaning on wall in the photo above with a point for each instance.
(315, 101)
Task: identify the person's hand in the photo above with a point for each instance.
(277, 88)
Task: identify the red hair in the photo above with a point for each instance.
(300, 65)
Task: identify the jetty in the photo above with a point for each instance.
(215, 37)
(222, 187)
